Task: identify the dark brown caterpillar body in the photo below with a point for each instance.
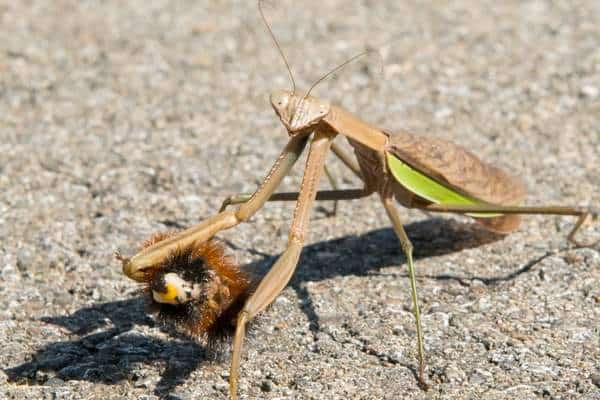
(197, 289)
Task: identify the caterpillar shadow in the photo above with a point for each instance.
(109, 349)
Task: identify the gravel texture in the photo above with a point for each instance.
(119, 119)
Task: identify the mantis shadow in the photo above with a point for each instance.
(363, 255)
(110, 347)
(366, 254)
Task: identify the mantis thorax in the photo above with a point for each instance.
(298, 112)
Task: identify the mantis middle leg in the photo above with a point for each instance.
(346, 159)
(322, 195)
(281, 272)
(390, 207)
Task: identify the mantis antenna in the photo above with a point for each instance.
(287, 65)
(339, 67)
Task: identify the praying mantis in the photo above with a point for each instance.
(414, 171)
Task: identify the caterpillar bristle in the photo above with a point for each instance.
(198, 289)
(157, 237)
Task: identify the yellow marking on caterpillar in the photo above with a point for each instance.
(170, 296)
(174, 290)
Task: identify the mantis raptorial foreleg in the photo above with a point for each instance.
(281, 272)
(155, 254)
(407, 248)
(582, 213)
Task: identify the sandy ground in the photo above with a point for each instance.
(119, 119)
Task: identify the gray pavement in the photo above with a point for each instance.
(119, 119)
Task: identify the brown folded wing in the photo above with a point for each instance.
(458, 169)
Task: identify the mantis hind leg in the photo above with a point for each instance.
(407, 247)
(582, 213)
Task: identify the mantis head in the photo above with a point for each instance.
(298, 112)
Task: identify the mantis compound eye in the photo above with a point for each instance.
(280, 99)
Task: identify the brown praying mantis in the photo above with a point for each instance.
(417, 172)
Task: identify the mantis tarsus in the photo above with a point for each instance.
(417, 172)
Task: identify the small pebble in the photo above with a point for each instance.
(266, 386)
(589, 91)
(596, 379)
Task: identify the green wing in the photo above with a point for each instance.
(429, 189)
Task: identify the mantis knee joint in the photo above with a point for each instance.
(296, 236)
(407, 247)
(241, 214)
(225, 203)
(243, 317)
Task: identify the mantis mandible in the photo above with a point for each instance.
(415, 171)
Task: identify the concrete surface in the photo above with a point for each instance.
(119, 119)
